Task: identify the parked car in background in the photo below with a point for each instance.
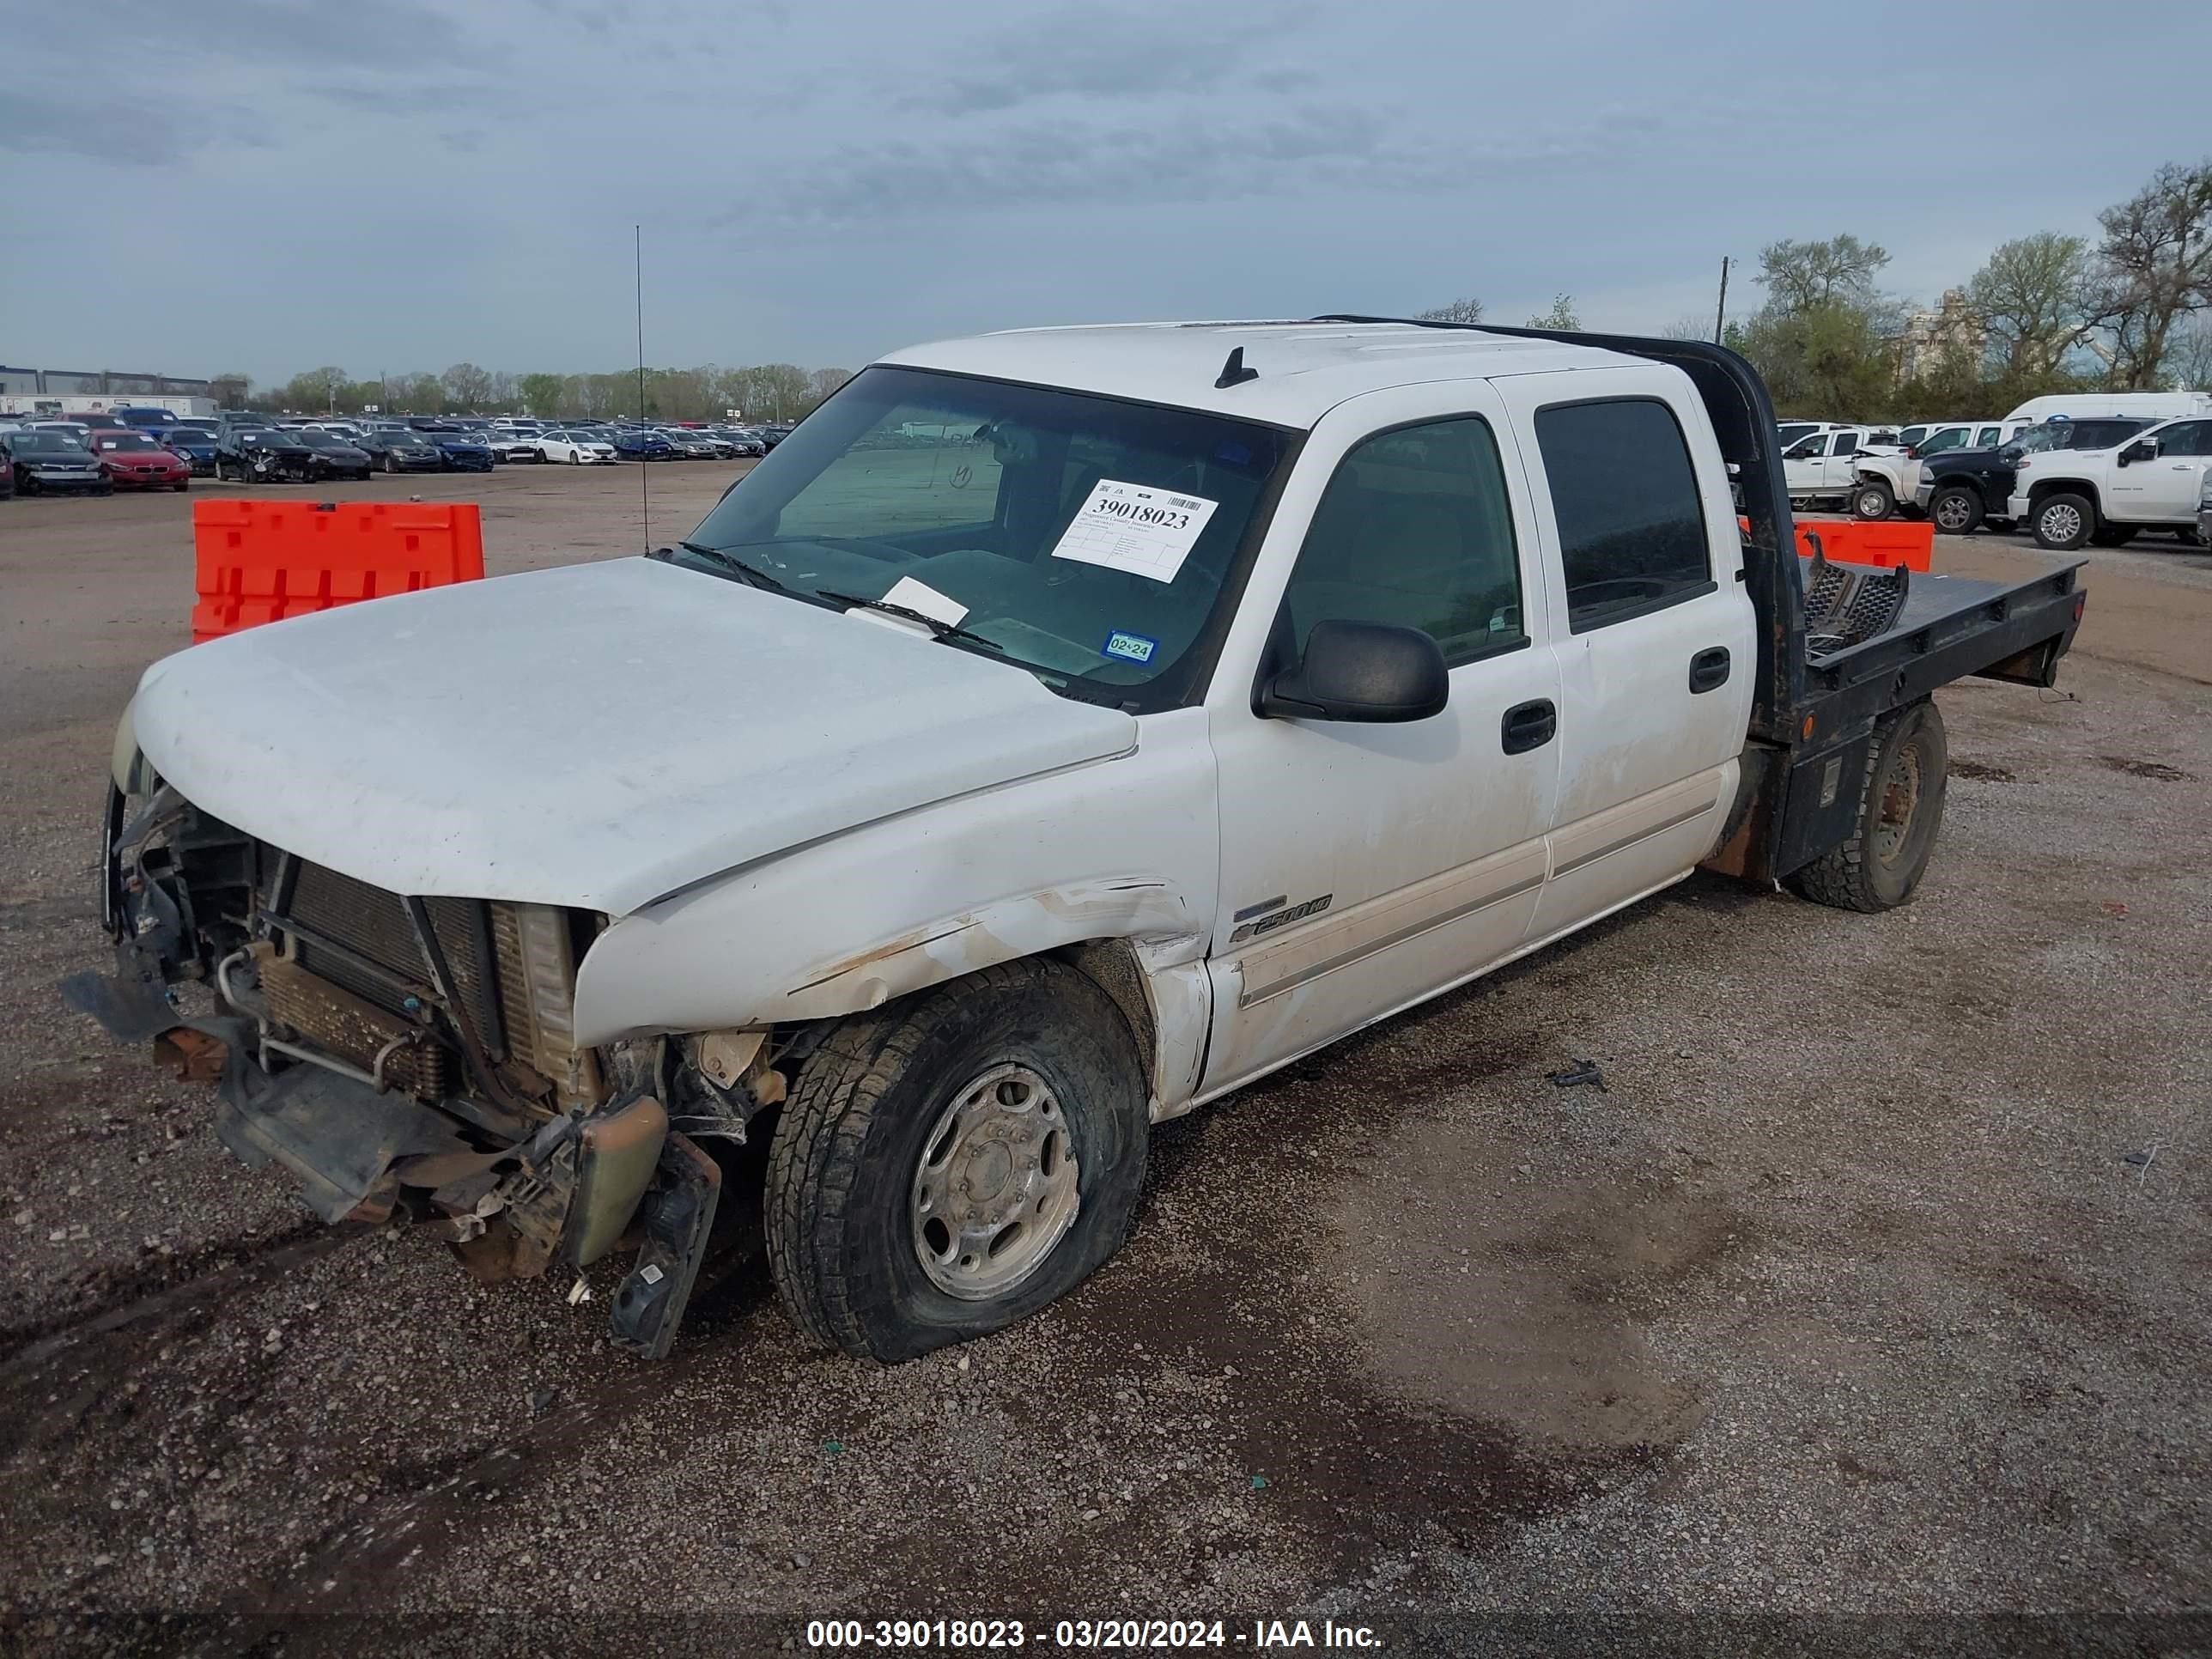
(461, 450)
(2151, 481)
(1790, 431)
(138, 460)
(576, 448)
(398, 450)
(269, 454)
(141, 415)
(507, 444)
(1962, 489)
(195, 444)
(1885, 483)
(634, 443)
(692, 446)
(43, 461)
(2112, 405)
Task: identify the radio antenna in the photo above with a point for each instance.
(644, 466)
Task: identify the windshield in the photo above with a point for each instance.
(44, 443)
(1081, 537)
(320, 439)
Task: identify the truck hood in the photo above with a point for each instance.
(598, 735)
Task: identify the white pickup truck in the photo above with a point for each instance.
(2106, 497)
(1059, 730)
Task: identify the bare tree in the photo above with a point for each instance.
(1799, 275)
(2033, 298)
(2188, 356)
(466, 385)
(2155, 269)
(1459, 311)
(824, 381)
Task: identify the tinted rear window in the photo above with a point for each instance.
(1624, 495)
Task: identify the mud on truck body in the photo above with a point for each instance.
(950, 808)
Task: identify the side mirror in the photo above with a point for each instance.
(1371, 672)
(2145, 449)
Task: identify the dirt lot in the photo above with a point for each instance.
(1867, 1299)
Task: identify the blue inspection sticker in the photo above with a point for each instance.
(1130, 647)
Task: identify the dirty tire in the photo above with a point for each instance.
(1872, 500)
(1879, 867)
(841, 1240)
(2064, 522)
(1956, 510)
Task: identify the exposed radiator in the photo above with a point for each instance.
(373, 925)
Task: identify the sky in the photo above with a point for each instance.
(200, 186)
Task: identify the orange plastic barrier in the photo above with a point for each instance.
(1885, 544)
(259, 562)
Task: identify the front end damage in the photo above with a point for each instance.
(413, 1058)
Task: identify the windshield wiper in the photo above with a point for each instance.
(736, 566)
(938, 627)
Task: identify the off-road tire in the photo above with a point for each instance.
(1856, 876)
(842, 1168)
(2083, 524)
(1965, 510)
(1872, 501)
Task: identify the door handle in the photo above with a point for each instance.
(1529, 726)
(1709, 669)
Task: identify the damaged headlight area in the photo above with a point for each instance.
(414, 1058)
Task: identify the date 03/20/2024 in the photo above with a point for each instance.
(1108, 1635)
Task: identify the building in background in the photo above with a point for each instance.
(1952, 329)
(93, 391)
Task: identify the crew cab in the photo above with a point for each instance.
(1961, 489)
(2150, 481)
(946, 813)
(1890, 482)
(1820, 470)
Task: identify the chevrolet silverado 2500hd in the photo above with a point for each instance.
(1058, 730)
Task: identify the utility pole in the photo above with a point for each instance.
(1720, 312)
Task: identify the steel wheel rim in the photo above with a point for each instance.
(1951, 512)
(1900, 801)
(995, 1186)
(2061, 523)
(1869, 501)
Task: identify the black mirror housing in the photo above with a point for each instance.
(1370, 672)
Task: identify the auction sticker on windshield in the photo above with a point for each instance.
(1134, 527)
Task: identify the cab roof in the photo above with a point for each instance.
(1300, 369)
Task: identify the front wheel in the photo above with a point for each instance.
(1957, 511)
(950, 1164)
(1872, 499)
(1901, 812)
(2062, 523)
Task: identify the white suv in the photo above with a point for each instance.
(2106, 496)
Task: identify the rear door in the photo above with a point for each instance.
(1650, 622)
(1836, 466)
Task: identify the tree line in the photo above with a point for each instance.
(2053, 312)
(764, 391)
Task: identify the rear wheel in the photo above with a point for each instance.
(1901, 812)
(1872, 499)
(949, 1165)
(2062, 522)
(1956, 510)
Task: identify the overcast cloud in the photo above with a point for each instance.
(202, 185)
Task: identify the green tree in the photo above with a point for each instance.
(2033, 298)
(314, 392)
(1560, 316)
(1800, 275)
(1826, 361)
(543, 395)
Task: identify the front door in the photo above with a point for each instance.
(1835, 470)
(1364, 867)
(1653, 630)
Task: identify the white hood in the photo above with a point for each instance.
(596, 736)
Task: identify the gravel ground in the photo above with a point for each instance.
(1864, 1303)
